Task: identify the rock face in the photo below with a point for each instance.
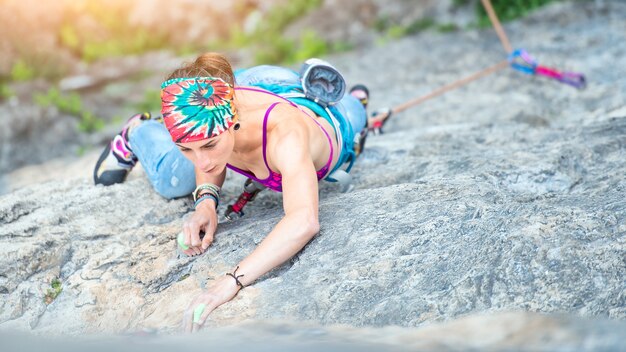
(504, 195)
(40, 133)
(496, 332)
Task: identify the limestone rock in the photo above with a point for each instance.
(506, 195)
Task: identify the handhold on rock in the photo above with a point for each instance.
(181, 242)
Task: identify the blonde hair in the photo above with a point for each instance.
(206, 65)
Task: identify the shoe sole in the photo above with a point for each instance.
(109, 177)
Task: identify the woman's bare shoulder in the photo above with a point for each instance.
(283, 113)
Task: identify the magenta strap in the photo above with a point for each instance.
(267, 114)
(330, 158)
(521, 61)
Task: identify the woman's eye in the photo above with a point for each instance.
(208, 147)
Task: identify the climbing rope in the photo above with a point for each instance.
(454, 85)
(495, 21)
(518, 59)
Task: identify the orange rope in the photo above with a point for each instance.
(456, 84)
(451, 86)
(498, 27)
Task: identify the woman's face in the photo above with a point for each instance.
(209, 155)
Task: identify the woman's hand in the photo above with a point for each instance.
(222, 291)
(203, 219)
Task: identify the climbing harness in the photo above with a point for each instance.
(318, 86)
(517, 59)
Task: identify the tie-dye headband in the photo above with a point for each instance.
(196, 108)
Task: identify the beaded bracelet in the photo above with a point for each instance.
(205, 197)
(206, 186)
(207, 191)
(197, 193)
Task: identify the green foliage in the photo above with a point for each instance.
(281, 16)
(396, 31)
(506, 10)
(381, 41)
(139, 41)
(341, 46)
(385, 25)
(89, 122)
(268, 42)
(289, 51)
(33, 63)
(310, 45)
(21, 71)
(277, 51)
(117, 120)
(5, 91)
(382, 23)
(110, 34)
(70, 104)
(447, 27)
(420, 25)
(69, 37)
(81, 150)
(114, 37)
(151, 101)
(186, 50)
(140, 76)
(54, 291)
(136, 42)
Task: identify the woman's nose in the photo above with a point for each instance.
(202, 161)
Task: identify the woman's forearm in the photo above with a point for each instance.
(287, 238)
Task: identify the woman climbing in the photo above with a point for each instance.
(211, 122)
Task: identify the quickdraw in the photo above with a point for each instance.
(521, 61)
(250, 190)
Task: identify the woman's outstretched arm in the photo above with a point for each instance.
(288, 151)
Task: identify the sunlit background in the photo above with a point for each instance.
(83, 66)
(492, 215)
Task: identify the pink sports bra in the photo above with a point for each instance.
(274, 180)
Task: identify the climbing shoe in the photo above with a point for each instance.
(361, 92)
(117, 158)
